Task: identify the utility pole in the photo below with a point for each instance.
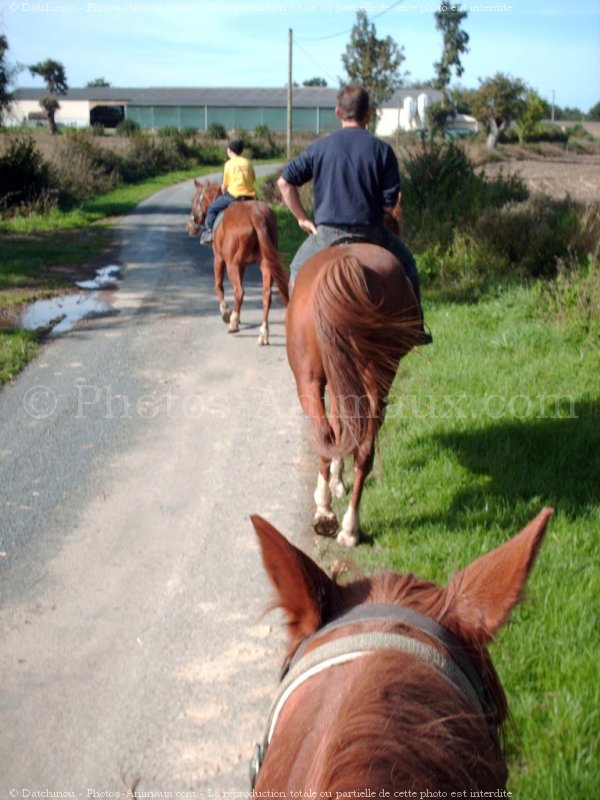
(289, 98)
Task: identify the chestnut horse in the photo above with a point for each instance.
(246, 235)
(388, 686)
(352, 316)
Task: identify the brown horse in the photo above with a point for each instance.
(352, 316)
(388, 686)
(246, 235)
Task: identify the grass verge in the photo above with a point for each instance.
(498, 418)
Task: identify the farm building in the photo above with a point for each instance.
(154, 108)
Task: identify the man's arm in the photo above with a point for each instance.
(291, 198)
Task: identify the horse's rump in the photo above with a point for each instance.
(367, 318)
(250, 227)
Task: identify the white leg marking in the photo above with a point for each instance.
(349, 535)
(322, 496)
(234, 323)
(336, 483)
(263, 334)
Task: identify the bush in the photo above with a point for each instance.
(441, 192)
(26, 180)
(216, 131)
(464, 271)
(264, 144)
(169, 131)
(532, 235)
(127, 127)
(84, 168)
(573, 298)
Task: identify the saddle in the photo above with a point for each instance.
(355, 237)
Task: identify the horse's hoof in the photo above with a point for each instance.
(262, 341)
(225, 311)
(325, 526)
(347, 539)
(233, 328)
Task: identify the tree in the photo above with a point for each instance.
(532, 113)
(373, 63)
(315, 82)
(447, 20)
(97, 82)
(594, 113)
(497, 102)
(6, 76)
(570, 114)
(53, 73)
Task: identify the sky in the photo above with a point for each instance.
(553, 45)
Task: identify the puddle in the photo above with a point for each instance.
(106, 278)
(59, 314)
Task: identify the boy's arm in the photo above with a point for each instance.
(225, 183)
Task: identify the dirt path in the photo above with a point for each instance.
(132, 452)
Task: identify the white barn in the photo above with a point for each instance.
(153, 108)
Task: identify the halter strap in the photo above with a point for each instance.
(456, 667)
(399, 615)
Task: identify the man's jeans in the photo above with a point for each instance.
(326, 236)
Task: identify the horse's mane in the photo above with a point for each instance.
(211, 191)
(399, 726)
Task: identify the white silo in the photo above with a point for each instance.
(408, 114)
(423, 100)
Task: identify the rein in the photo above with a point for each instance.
(197, 207)
(456, 667)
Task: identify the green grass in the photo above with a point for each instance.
(16, 349)
(498, 418)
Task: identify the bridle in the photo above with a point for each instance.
(197, 214)
(456, 667)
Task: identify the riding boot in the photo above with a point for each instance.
(425, 336)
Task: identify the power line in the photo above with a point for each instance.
(344, 33)
(321, 69)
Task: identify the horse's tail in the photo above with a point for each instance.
(265, 225)
(361, 346)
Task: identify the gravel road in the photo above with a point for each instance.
(132, 452)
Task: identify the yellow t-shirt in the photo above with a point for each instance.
(238, 177)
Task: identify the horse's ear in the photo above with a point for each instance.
(483, 595)
(197, 184)
(304, 590)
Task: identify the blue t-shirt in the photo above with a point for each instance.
(354, 175)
